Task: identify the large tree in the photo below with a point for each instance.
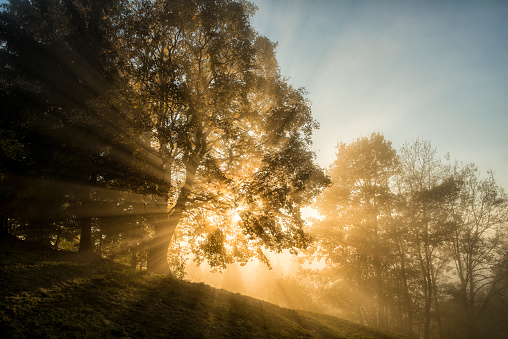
(231, 135)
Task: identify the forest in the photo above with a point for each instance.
(161, 132)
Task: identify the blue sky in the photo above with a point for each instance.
(437, 70)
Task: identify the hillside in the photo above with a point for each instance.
(47, 293)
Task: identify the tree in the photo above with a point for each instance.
(356, 212)
(66, 126)
(480, 214)
(495, 313)
(438, 231)
(54, 66)
(426, 193)
(230, 135)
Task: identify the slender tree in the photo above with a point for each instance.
(480, 214)
(357, 212)
(427, 192)
(496, 311)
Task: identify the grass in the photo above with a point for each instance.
(55, 294)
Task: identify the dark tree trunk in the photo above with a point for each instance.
(437, 308)
(85, 241)
(426, 286)
(57, 241)
(157, 261)
(381, 315)
(407, 303)
(471, 306)
(32, 233)
(4, 227)
(134, 257)
(43, 236)
(87, 210)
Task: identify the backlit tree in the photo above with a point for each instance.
(231, 136)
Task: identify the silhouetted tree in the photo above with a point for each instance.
(480, 214)
(495, 312)
(65, 125)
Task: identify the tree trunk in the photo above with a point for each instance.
(4, 229)
(134, 257)
(57, 241)
(360, 315)
(157, 261)
(85, 241)
(470, 308)
(87, 210)
(436, 306)
(407, 302)
(32, 233)
(381, 316)
(428, 304)
(426, 285)
(43, 236)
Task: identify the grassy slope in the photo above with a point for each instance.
(45, 293)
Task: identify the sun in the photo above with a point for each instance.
(236, 217)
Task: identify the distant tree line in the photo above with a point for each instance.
(413, 242)
(126, 122)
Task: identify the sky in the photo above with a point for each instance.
(435, 70)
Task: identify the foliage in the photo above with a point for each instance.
(476, 245)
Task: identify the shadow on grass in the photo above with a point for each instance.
(54, 294)
(172, 308)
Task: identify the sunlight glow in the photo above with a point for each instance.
(236, 216)
(309, 212)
